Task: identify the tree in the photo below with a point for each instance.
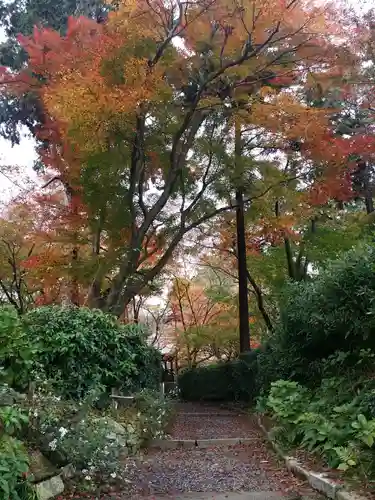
(15, 247)
(137, 127)
(205, 321)
(17, 17)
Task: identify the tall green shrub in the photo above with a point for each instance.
(79, 348)
(333, 311)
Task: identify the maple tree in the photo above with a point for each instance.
(139, 127)
(18, 17)
(205, 320)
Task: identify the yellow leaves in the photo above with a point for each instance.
(90, 103)
(137, 19)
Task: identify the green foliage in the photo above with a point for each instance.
(335, 420)
(154, 413)
(68, 432)
(333, 311)
(94, 441)
(79, 348)
(15, 349)
(13, 457)
(230, 381)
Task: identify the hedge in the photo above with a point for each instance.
(76, 349)
(223, 381)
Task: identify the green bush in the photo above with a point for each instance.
(333, 311)
(13, 457)
(79, 348)
(16, 352)
(226, 381)
(76, 433)
(334, 420)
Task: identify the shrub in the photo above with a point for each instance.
(154, 413)
(333, 311)
(76, 433)
(79, 348)
(13, 457)
(226, 381)
(15, 349)
(71, 432)
(334, 420)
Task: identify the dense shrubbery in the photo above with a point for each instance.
(76, 349)
(16, 350)
(67, 432)
(336, 420)
(333, 311)
(324, 350)
(69, 359)
(76, 433)
(226, 381)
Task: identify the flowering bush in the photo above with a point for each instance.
(154, 413)
(74, 432)
(71, 432)
(89, 446)
(147, 419)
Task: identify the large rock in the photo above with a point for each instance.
(68, 471)
(40, 467)
(49, 488)
(116, 431)
(112, 426)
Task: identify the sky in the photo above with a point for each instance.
(22, 156)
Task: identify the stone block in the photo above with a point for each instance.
(322, 484)
(294, 466)
(68, 471)
(49, 488)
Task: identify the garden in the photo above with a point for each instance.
(194, 184)
(312, 382)
(59, 367)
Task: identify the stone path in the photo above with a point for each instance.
(214, 472)
(248, 471)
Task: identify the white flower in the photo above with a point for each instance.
(53, 444)
(35, 413)
(85, 471)
(63, 431)
(113, 474)
(88, 478)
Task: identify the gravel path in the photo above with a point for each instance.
(170, 473)
(207, 425)
(216, 469)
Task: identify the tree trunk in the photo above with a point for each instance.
(260, 301)
(241, 252)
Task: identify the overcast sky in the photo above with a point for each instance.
(22, 156)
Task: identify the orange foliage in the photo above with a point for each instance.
(103, 86)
